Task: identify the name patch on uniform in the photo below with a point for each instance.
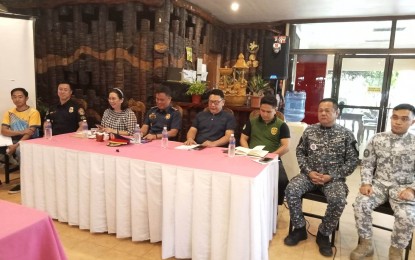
(366, 153)
(274, 131)
(71, 110)
(152, 116)
(168, 116)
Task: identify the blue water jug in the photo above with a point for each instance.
(294, 106)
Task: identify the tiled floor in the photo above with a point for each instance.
(80, 244)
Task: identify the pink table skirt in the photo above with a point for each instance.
(27, 234)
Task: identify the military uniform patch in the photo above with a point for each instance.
(70, 110)
(274, 131)
(168, 116)
(366, 153)
(152, 116)
(313, 147)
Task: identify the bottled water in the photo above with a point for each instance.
(164, 138)
(137, 134)
(84, 129)
(294, 106)
(48, 129)
(231, 147)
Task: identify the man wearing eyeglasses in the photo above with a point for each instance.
(388, 173)
(212, 127)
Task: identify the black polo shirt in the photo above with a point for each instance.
(65, 118)
(211, 127)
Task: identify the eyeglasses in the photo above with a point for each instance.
(215, 102)
(403, 118)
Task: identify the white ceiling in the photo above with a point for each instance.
(254, 11)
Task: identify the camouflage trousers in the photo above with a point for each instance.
(335, 192)
(404, 213)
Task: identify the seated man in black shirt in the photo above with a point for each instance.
(212, 127)
(67, 115)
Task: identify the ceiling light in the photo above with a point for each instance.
(234, 6)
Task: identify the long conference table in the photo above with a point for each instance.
(27, 234)
(200, 204)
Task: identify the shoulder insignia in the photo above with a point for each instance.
(81, 111)
(274, 131)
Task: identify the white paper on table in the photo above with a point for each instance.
(186, 147)
(5, 140)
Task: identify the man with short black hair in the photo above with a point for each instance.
(326, 155)
(388, 174)
(163, 114)
(67, 115)
(267, 129)
(20, 123)
(212, 127)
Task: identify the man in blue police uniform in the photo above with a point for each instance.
(326, 154)
(162, 115)
(67, 115)
(212, 127)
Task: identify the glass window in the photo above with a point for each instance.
(404, 36)
(402, 88)
(343, 35)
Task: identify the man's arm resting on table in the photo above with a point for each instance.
(243, 141)
(284, 148)
(221, 141)
(191, 135)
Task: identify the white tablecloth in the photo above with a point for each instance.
(197, 213)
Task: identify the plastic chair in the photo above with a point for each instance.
(318, 196)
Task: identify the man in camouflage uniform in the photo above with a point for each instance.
(326, 155)
(388, 169)
(162, 115)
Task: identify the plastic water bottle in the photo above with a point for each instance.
(294, 106)
(137, 134)
(164, 138)
(84, 129)
(231, 146)
(47, 128)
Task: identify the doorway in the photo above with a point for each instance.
(366, 86)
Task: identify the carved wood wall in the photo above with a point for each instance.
(99, 46)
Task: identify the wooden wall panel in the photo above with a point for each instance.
(98, 46)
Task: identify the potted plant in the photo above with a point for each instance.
(196, 89)
(257, 86)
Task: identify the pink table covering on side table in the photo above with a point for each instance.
(27, 233)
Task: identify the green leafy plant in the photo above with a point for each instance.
(257, 85)
(196, 88)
